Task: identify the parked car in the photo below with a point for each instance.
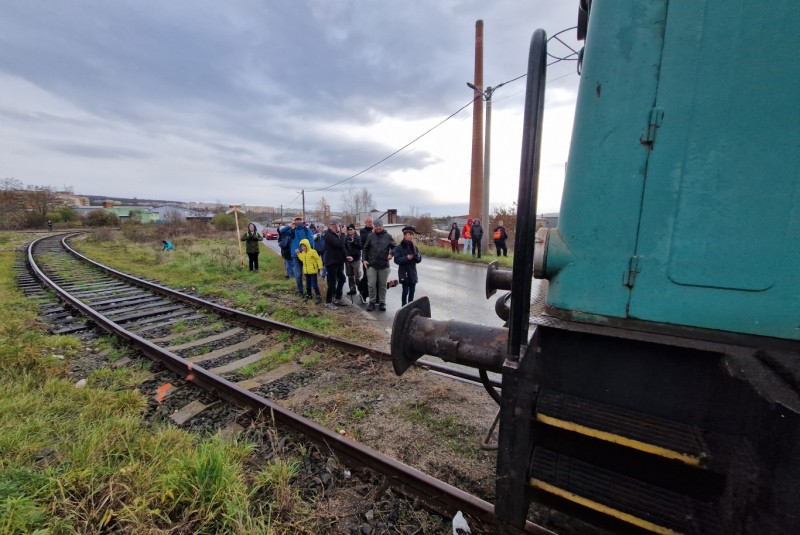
(271, 233)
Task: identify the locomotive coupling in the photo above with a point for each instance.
(414, 334)
(497, 279)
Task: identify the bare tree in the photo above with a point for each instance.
(12, 204)
(412, 213)
(173, 216)
(42, 199)
(322, 212)
(354, 202)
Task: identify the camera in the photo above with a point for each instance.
(417, 257)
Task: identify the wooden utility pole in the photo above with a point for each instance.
(235, 208)
(476, 179)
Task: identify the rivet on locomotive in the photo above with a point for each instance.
(655, 388)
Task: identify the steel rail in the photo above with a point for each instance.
(264, 323)
(432, 493)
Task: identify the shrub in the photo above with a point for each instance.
(226, 222)
(101, 218)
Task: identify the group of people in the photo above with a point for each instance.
(339, 254)
(473, 235)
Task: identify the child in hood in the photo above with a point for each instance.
(312, 265)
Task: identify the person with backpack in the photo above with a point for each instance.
(477, 236)
(334, 259)
(298, 230)
(454, 236)
(252, 238)
(466, 233)
(500, 237)
(406, 255)
(285, 245)
(352, 245)
(319, 247)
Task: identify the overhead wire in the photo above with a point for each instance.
(557, 59)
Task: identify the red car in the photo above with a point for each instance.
(271, 233)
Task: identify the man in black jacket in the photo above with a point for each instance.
(366, 231)
(477, 236)
(500, 237)
(334, 258)
(378, 251)
(352, 246)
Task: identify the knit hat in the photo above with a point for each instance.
(351, 226)
(377, 222)
(312, 226)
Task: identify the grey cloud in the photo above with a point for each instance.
(96, 151)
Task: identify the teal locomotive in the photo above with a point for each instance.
(652, 382)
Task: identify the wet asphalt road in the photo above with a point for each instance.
(455, 289)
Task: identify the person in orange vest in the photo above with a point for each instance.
(500, 237)
(466, 233)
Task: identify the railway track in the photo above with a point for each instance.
(137, 311)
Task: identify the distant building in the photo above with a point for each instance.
(459, 220)
(389, 217)
(122, 212)
(550, 220)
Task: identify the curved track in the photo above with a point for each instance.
(126, 308)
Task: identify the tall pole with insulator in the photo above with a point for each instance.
(476, 181)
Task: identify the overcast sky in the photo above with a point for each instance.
(251, 101)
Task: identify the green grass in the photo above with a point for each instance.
(450, 430)
(448, 254)
(79, 460)
(199, 263)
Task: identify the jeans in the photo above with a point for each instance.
(298, 273)
(353, 272)
(476, 248)
(253, 258)
(501, 246)
(408, 293)
(311, 283)
(454, 245)
(287, 263)
(377, 284)
(467, 244)
(335, 282)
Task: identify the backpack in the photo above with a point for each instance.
(286, 241)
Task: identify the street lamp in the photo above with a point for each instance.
(487, 96)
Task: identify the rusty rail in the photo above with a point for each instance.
(434, 494)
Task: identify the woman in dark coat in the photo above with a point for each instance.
(253, 239)
(406, 255)
(454, 236)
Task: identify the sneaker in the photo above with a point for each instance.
(370, 307)
(382, 307)
(341, 303)
(306, 298)
(319, 299)
(331, 306)
(300, 295)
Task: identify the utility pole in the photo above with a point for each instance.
(487, 95)
(235, 208)
(476, 178)
(281, 223)
(303, 193)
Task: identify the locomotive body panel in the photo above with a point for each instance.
(693, 180)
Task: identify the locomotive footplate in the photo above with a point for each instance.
(650, 433)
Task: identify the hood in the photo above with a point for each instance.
(469, 221)
(305, 242)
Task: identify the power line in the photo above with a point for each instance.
(557, 60)
(400, 149)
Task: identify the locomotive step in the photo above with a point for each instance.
(558, 479)
(631, 429)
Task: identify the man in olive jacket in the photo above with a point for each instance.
(378, 251)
